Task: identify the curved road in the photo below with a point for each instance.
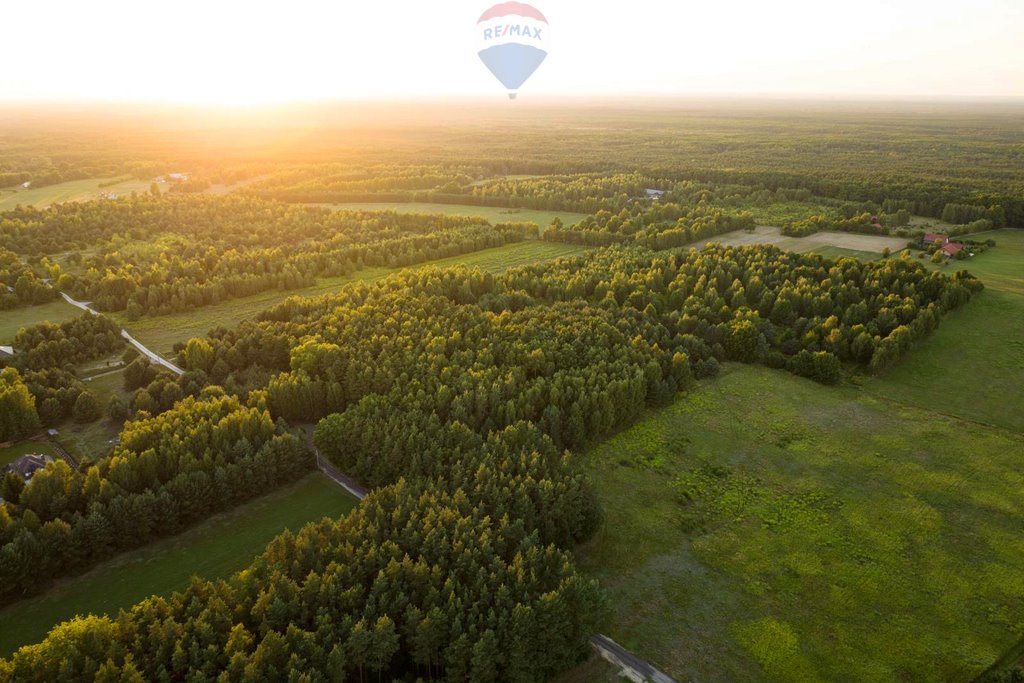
(154, 357)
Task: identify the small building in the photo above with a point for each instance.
(933, 237)
(951, 249)
(178, 176)
(10, 289)
(6, 351)
(52, 432)
(654, 194)
(27, 184)
(27, 465)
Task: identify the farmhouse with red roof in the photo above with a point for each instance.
(951, 249)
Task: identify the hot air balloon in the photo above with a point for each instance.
(513, 42)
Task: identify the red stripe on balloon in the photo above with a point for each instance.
(518, 8)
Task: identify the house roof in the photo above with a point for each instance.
(930, 237)
(6, 350)
(952, 248)
(28, 464)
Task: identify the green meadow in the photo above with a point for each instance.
(974, 362)
(71, 191)
(13, 320)
(763, 527)
(216, 548)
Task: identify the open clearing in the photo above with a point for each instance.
(160, 333)
(763, 527)
(819, 242)
(493, 214)
(216, 548)
(974, 362)
(71, 191)
(13, 320)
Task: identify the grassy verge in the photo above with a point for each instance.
(219, 547)
(765, 527)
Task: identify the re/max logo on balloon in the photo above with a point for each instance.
(512, 30)
(513, 38)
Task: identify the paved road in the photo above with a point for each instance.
(156, 358)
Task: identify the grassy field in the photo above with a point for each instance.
(219, 547)
(13, 320)
(160, 333)
(492, 214)
(72, 191)
(973, 365)
(764, 527)
(831, 244)
(12, 453)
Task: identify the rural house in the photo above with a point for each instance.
(6, 351)
(654, 194)
(951, 249)
(933, 237)
(27, 465)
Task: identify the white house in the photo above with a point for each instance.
(6, 351)
(27, 184)
(653, 194)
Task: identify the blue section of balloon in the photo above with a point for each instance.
(512, 63)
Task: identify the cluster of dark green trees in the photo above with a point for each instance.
(199, 251)
(960, 214)
(488, 350)
(203, 456)
(807, 226)
(58, 345)
(19, 284)
(657, 225)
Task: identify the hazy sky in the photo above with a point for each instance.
(223, 51)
